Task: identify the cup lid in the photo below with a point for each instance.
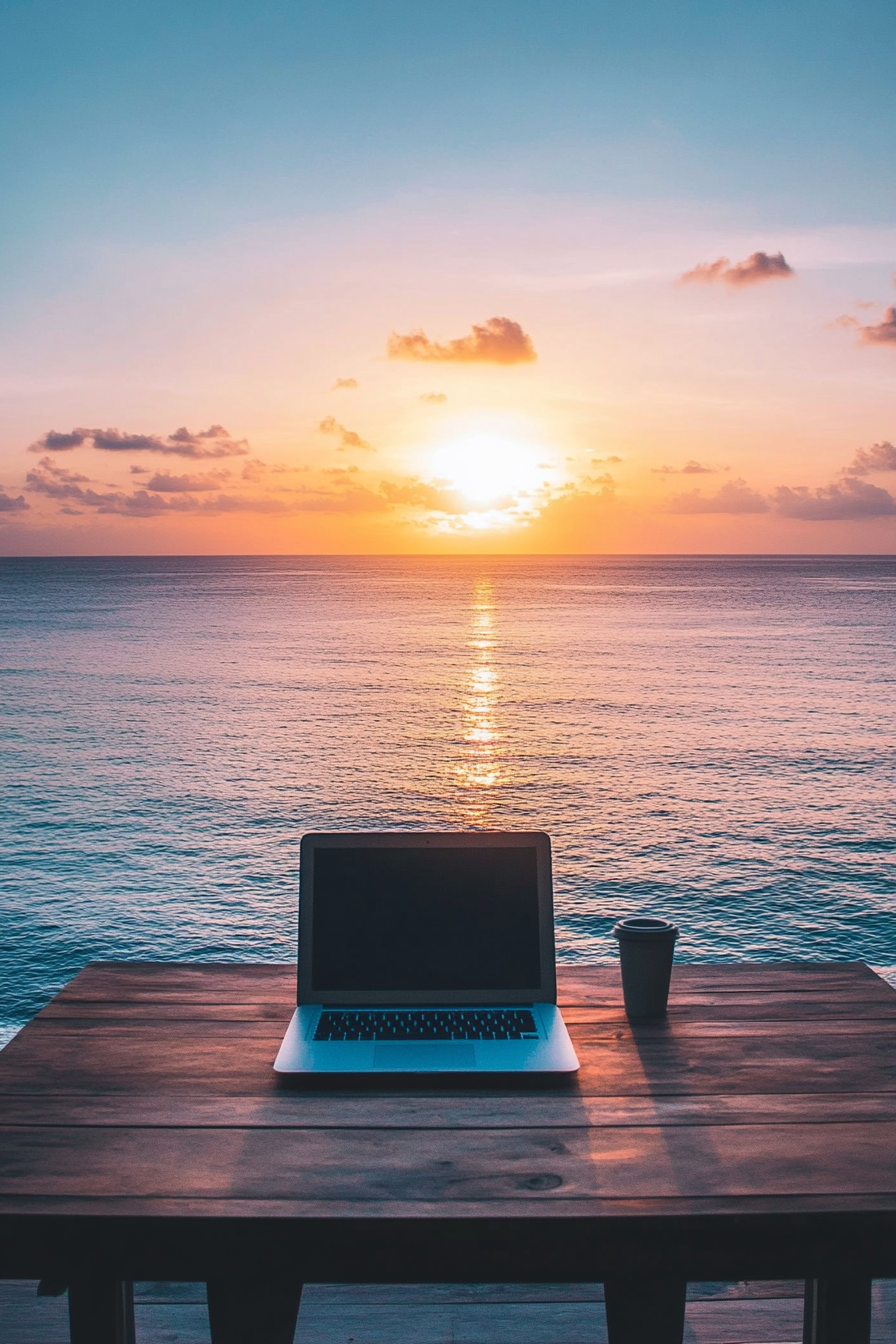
(645, 927)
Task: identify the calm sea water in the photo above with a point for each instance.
(707, 739)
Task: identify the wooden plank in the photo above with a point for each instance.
(665, 1035)
(84, 1013)
(382, 1166)
(226, 982)
(518, 1217)
(236, 1059)
(703, 1008)
(112, 979)
(464, 1110)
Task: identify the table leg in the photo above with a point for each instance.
(249, 1311)
(641, 1309)
(101, 1311)
(837, 1310)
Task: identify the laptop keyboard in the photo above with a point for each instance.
(426, 1024)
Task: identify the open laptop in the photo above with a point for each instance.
(426, 952)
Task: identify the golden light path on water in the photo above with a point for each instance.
(480, 768)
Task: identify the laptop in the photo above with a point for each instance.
(426, 953)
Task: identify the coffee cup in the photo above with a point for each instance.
(646, 948)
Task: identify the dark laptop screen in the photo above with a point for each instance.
(425, 919)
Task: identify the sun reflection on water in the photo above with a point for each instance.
(480, 767)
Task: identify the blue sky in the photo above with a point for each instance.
(134, 119)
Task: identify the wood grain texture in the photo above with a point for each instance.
(145, 1092)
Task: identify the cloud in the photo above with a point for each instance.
(431, 495)
(356, 499)
(733, 497)
(254, 469)
(879, 457)
(8, 504)
(176, 495)
(53, 441)
(435, 398)
(348, 437)
(168, 484)
(212, 442)
(348, 384)
(53, 481)
(880, 333)
(830, 503)
(690, 468)
(599, 461)
(757, 267)
(497, 341)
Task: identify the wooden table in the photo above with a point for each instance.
(753, 1135)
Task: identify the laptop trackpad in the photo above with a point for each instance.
(451, 1055)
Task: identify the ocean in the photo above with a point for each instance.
(710, 739)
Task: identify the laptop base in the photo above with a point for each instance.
(551, 1053)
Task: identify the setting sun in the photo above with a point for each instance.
(488, 469)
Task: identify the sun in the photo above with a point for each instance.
(490, 470)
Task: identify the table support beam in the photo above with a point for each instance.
(252, 1311)
(641, 1308)
(837, 1310)
(101, 1311)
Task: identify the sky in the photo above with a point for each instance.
(357, 277)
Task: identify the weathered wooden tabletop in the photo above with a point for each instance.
(751, 1135)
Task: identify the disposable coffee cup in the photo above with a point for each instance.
(646, 947)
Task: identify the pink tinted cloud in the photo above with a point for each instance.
(690, 468)
(498, 341)
(880, 333)
(847, 499)
(164, 482)
(212, 442)
(757, 267)
(12, 503)
(733, 497)
(55, 482)
(879, 457)
(344, 385)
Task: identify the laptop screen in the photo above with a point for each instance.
(418, 920)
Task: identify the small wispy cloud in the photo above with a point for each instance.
(432, 495)
(207, 443)
(758, 266)
(254, 470)
(498, 341)
(12, 504)
(733, 497)
(344, 385)
(880, 333)
(347, 437)
(879, 457)
(165, 483)
(842, 500)
(599, 461)
(434, 398)
(690, 468)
